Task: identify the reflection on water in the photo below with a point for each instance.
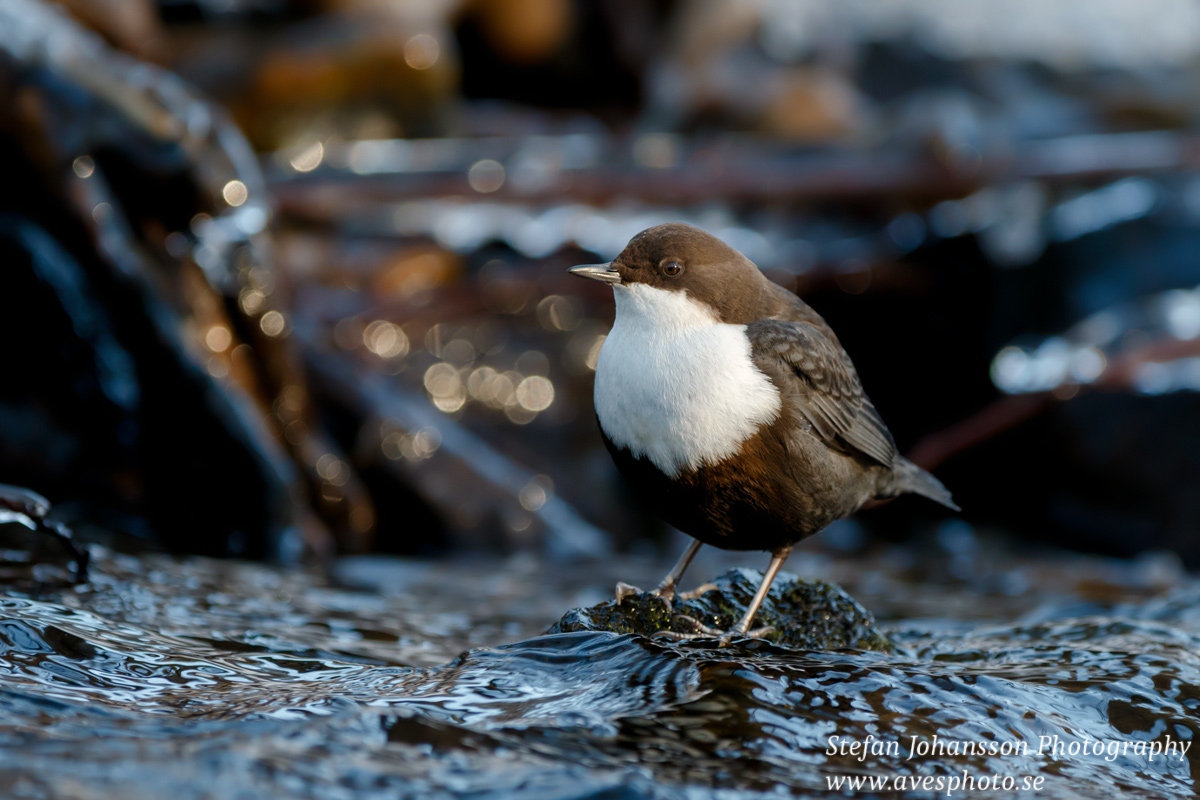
(215, 679)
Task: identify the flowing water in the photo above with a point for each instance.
(192, 678)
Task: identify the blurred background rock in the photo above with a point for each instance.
(288, 277)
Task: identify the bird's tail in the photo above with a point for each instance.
(908, 477)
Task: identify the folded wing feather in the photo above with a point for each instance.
(831, 396)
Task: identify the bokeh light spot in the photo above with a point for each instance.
(84, 166)
(235, 193)
(309, 158)
(218, 338)
(535, 393)
(385, 339)
(535, 493)
(421, 51)
(272, 323)
(593, 356)
(251, 300)
(486, 176)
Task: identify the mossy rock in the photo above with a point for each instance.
(807, 615)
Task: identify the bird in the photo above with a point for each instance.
(732, 409)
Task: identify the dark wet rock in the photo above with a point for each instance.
(809, 615)
(158, 384)
(29, 509)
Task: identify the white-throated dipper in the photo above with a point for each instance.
(732, 409)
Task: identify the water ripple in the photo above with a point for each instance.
(179, 680)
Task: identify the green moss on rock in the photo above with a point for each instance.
(808, 615)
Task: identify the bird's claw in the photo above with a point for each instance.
(664, 593)
(699, 630)
(698, 591)
(703, 631)
(626, 590)
(760, 633)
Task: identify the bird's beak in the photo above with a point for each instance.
(605, 273)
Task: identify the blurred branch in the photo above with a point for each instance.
(987, 423)
(1119, 375)
(1122, 370)
(731, 171)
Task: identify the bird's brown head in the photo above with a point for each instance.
(679, 258)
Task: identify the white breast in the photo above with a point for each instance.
(677, 386)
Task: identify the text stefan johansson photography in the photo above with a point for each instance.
(1052, 746)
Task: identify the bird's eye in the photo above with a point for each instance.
(672, 268)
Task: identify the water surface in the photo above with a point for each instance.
(195, 678)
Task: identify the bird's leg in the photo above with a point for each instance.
(742, 628)
(666, 589)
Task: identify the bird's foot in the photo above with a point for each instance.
(703, 631)
(699, 630)
(665, 593)
(697, 592)
(625, 590)
(760, 633)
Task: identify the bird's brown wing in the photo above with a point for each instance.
(830, 394)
